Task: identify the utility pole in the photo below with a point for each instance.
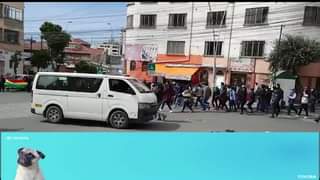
(280, 33)
(31, 44)
(192, 7)
(41, 41)
(280, 36)
(230, 37)
(214, 53)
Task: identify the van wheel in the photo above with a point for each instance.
(54, 114)
(119, 119)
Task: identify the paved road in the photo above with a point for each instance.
(15, 116)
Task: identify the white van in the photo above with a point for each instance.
(118, 100)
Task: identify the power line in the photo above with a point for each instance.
(281, 9)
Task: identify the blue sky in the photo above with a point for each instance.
(73, 17)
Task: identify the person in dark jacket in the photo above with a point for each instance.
(275, 100)
(250, 99)
(168, 94)
(268, 99)
(215, 99)
(259, 95)
(2, 82)
(223, 98)
(242, 98)
(313, 99)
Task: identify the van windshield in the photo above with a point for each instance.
(139, 86)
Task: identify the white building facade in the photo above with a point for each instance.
(240, 34)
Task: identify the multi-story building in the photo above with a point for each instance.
(189, 38)
(111, 48)
(11, 35)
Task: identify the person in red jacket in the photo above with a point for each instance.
(168, 94)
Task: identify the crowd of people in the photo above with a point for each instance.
(234, 98)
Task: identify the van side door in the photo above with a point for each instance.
(121, 95)
(84, 99)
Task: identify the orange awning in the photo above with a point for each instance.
(174, 72)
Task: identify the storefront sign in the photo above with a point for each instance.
(149, 53)
(141, 52)
(242, 64)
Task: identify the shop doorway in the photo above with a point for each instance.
(219, 79)
(238, 79)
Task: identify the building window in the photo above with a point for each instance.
(132, 65)
(148, 21)
(216, 18)
(1, 10)
(175, 47)
(130, 21)
(311, 15)
(144, 66)
(11, 36)
(177, 20)
(252, 48)
(211, 46)
(255, 16)
(13, 13)
(120, 86)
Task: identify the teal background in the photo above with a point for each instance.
(168, 156)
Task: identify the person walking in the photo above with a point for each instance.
(205, 97)
(232, 99)
(313, 99)
(188, 99)
(215, 97)
(250, 99)
(223, 98)
(168, 93)
(281, 101)
(179, 97)
(258, 92)
(242, 98)
(198, 93)
(304, 102)
(291, 99)
(275, 100)
(268, 99)
(2, 83)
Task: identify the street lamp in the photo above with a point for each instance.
(109, 24)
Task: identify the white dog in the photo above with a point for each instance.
(28, 167)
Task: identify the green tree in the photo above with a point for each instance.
(84, 67)
(293, 52)
(15, 61)
(57, 40)
(40, 59)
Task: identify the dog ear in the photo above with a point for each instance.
(42, 156)
(19, 150)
